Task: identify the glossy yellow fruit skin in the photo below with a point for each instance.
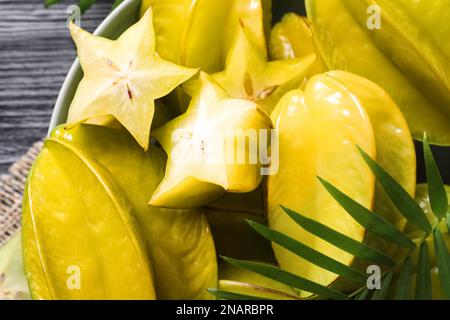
(394, 143)
(292, 38)
(80, 239)
(408, 56)
(318, 133)
(187, 29)
(234, 238)
(242, 281)
(179, 242)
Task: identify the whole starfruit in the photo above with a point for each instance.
(216, 146)
(80, 238)
(292, 38)
(168, 234)
(402, 45)
(319, 130)
(187, 29)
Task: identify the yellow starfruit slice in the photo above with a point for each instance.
(292, 38)
(249, 75)
(179, 242)
(318, 133)
(80, 238)
(398, 47)
(206, 156)
(122, 78)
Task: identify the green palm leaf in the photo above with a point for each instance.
(83, 4)
(308, 254)
(436, 189)
(443, 261)
(374, 223)
(362, 295)
(382, 293)
(116, 3)
(340, 240)
(407, 206)
(404, 283)
(287, 278)
(379, 227)
(423, 279)
(51, 2)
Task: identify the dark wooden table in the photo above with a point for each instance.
(35, 55)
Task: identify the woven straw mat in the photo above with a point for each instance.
(11, 190)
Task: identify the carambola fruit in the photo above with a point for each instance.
(393, 143)
(319, 130)
(292, 38)
(206, 156)
(199, 33)
(406, 52)
(80, 238)
(122, 79)
(179, 242)
(174, 238)
(249, 75)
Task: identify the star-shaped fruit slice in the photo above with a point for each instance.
(206, 156)
(249, 75)
(122, 78)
